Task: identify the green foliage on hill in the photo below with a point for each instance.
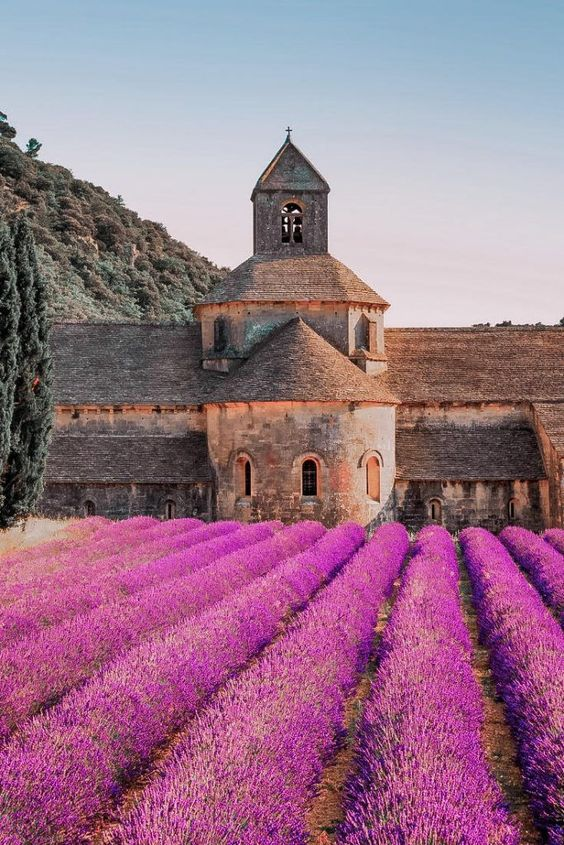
(101, 261)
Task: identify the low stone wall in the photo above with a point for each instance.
(119, 501)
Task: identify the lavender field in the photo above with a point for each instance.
(183, 683)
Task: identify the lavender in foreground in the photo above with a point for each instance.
(249, 764)
(421, 773)
(526, 646)
(543, 563)
(67, 766)
(37, 671)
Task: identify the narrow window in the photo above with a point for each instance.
(89, 508)
(292, 224)
(243, 477)
(436, 510)
(511, 509)
(247, 478)
(373, 478)
(220, 339)
(170, 509)
(309, 478)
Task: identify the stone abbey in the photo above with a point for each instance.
(288, 398)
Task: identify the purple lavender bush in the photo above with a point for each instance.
(421, 775)
(67, 766)
(555, 536)
(78, 562)
(198, 546)
(543, 563)
(37, 671)
(249, 764)
(527, 657)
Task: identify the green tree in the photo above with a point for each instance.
(6, 131)
(9, 318)
(33, 405)
(32, 148)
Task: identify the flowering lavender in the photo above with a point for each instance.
(26, 562)
(69, 764)
(555, 536)
(543, 563)
(527, 656)
(199, 546)
(80, 563)
(248, 766)
(421, 775)
(38, 670)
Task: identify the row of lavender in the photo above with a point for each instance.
(38, 670)
(246, 768)
(541, 560)
(420, 773)
(64, 768)
(83, 581)
(526, 646)
(157, 603)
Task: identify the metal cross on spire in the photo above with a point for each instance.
(289, 131)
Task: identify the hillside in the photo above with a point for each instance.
(102, 262)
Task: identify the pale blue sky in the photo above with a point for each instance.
(439, 126)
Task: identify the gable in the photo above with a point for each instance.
(291, 171)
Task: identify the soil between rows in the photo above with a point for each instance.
(497, 739)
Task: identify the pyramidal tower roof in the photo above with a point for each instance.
(291, 171)
(295, 364)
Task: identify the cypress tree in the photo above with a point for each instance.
(9, 317)
(33, 407)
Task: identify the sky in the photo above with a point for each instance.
(439, 125)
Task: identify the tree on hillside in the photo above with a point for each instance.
(32, 413)
(6, 131)
(32, 148)
(9, 318)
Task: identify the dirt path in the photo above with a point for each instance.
(326, 810)
(496, 735)
(36, 530)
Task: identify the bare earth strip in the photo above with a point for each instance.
(326, 810)
(497, 739)
(37, 530)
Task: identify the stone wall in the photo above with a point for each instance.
(553, 500)
(277, 437)
(249, 323)
(465, 503)
(119, 501)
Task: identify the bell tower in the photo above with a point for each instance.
(290, 206)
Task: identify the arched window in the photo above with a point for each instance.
(220, 334)
(89, 508)
(244, 477)
(292, 223)
(309, 477)
(373, 478)
(170, 509)
(511, 509)
(248, 478)
(436, 510)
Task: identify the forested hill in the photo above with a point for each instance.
(102, 262)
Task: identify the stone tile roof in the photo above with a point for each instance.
(551, 416)
(266, 278)
(295, 364)
(290, 170)
(142, 459)
(472, 365)
(143, 364)
(458, 453)
(128, 364)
